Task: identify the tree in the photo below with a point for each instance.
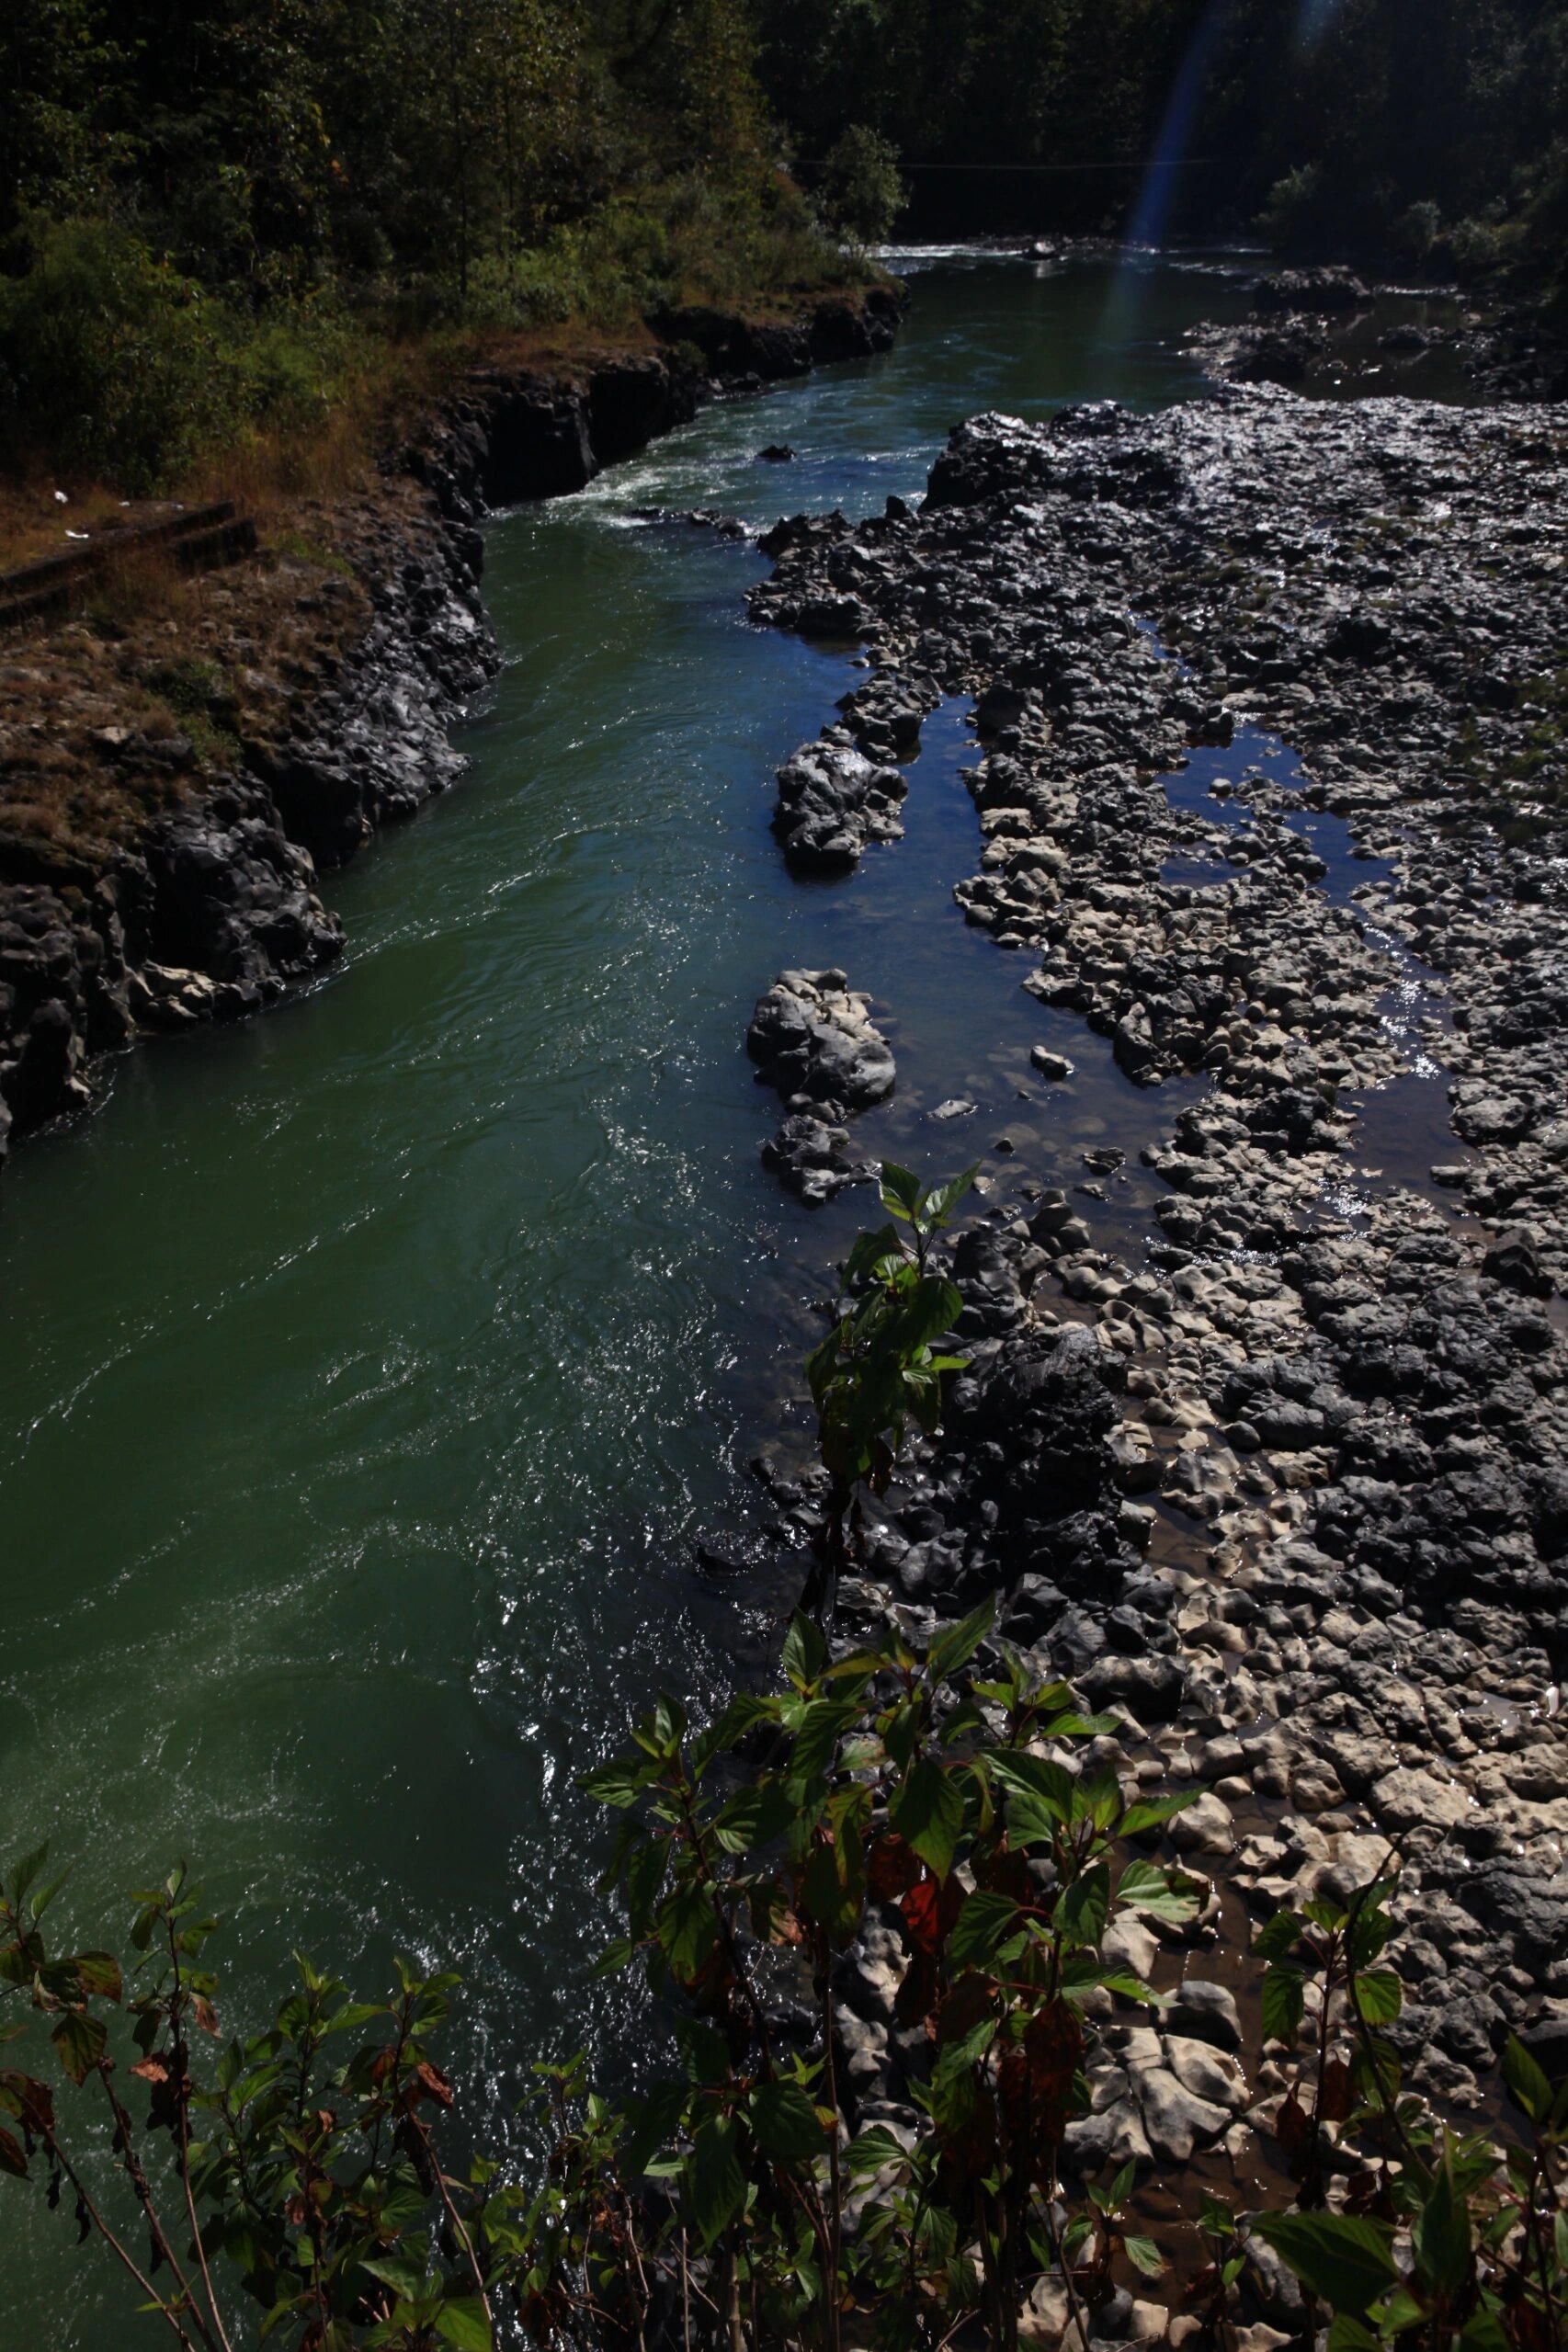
(860, 191)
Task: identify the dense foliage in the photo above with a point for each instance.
(224, 213)
(1398, 124)
(205, 209)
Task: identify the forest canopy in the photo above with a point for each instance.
(212, 210)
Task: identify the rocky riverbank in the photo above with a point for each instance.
(179, 767)
(1291, 1491)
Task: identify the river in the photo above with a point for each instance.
(369, 1368)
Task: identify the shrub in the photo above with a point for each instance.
(1293, 216)
(112, 360)
(860, 192)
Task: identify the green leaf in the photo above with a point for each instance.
(901, 1190)
(399, 2271)
(871, 1253)
(704, 2052)
(927, 1812)
(742, 1711)
(668, 1724)
(1345, 2259)
(943, 1198)
(98, 1972)
(1440, 2240)
(27, 1870)
(685, 1928)
(715, 2184)
(955, 1648)
(619, 1783)
(1145, 2256)
(787, 2125)
(875, 2147)
(462, 2323)
(1526, 2079)
(654, 2121)
(1483, 2332)
(1149, 1812)
(1164, 1893)
(932, 1307)
(753, 1817)
(1082, 1908)
(805, 1650)
(1379, 1996)
(1048, 1787)
(46, 1895)
(1284, 2002)
(615, 1956)
(982, 1924)
(1348, 2335)
(822, 1725)
(1277, 1935)
(79, 2040)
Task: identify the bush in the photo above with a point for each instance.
(1417, 232)
(1478, 247)
(111, 360)
(1292, 218)
(115, 365)
(860, 192)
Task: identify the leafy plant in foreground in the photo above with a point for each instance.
(881, 1777)
(1441, 2242)
(298, 2165)
(876, 1369)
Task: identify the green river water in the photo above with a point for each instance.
(368, 1369)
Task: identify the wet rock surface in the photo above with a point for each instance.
(831, 800)
(1289, 1494)
(817, 1044)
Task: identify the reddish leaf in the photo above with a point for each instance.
(1004, 1873)
(891, 1868)
(1364, 2193)
(1293, 2130)
(207, 2015)
(929, 1911)
(1012, 2093)
(1201, 2285)
(971, 1999)
(1053, 2046)
(11, 2157)
(434, 2082)
(35, 2100)
(1335, 2101)
(1531, 2333)
(969, 2150)
(151, 2070)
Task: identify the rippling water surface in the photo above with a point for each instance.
(366, 1368)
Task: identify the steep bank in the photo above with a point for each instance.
(174, 778)
(1322, 1561)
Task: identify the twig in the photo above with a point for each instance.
(108, 2236)
(178, 2053)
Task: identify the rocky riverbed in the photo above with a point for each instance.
(1290, 1491)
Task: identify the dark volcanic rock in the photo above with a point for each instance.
(814, 1039)
(831, 800)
